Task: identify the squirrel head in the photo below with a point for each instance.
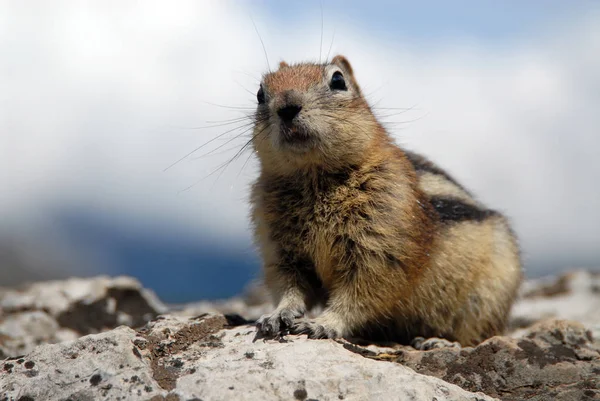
(312, 114)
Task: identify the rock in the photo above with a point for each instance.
(188, 354)
(252, 304)
(100, 366)
(20, 333)
(235, 305)
(556, 360)
(176, 358)
(54, 311)
(572, 296)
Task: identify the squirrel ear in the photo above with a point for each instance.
(283, 64)
(343, 62)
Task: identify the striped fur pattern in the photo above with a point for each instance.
(387, 243)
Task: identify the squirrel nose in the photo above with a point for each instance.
(288, 113)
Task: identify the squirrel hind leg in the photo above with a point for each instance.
(426, 344)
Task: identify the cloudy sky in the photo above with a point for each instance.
(98, 98)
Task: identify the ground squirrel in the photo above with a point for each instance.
(389, 244)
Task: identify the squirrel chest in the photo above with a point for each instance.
(316, 217)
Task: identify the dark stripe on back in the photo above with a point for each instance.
(455, 210)
(421, 164)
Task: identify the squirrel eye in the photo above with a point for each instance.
(260, 95)
(338, 82)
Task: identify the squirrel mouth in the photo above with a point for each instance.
(294, 135)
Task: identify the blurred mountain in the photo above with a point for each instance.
(24, 259)
(17, 266)
(179, 266)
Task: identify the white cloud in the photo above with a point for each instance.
(94, 99)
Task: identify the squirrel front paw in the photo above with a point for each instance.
(316, 328)
(279, 322)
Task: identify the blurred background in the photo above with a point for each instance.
(99, 99)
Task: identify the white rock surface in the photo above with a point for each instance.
(301, 369)
(196, 359)
(94, 367)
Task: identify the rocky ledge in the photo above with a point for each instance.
(58, 341)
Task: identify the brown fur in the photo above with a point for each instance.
(389, 244)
